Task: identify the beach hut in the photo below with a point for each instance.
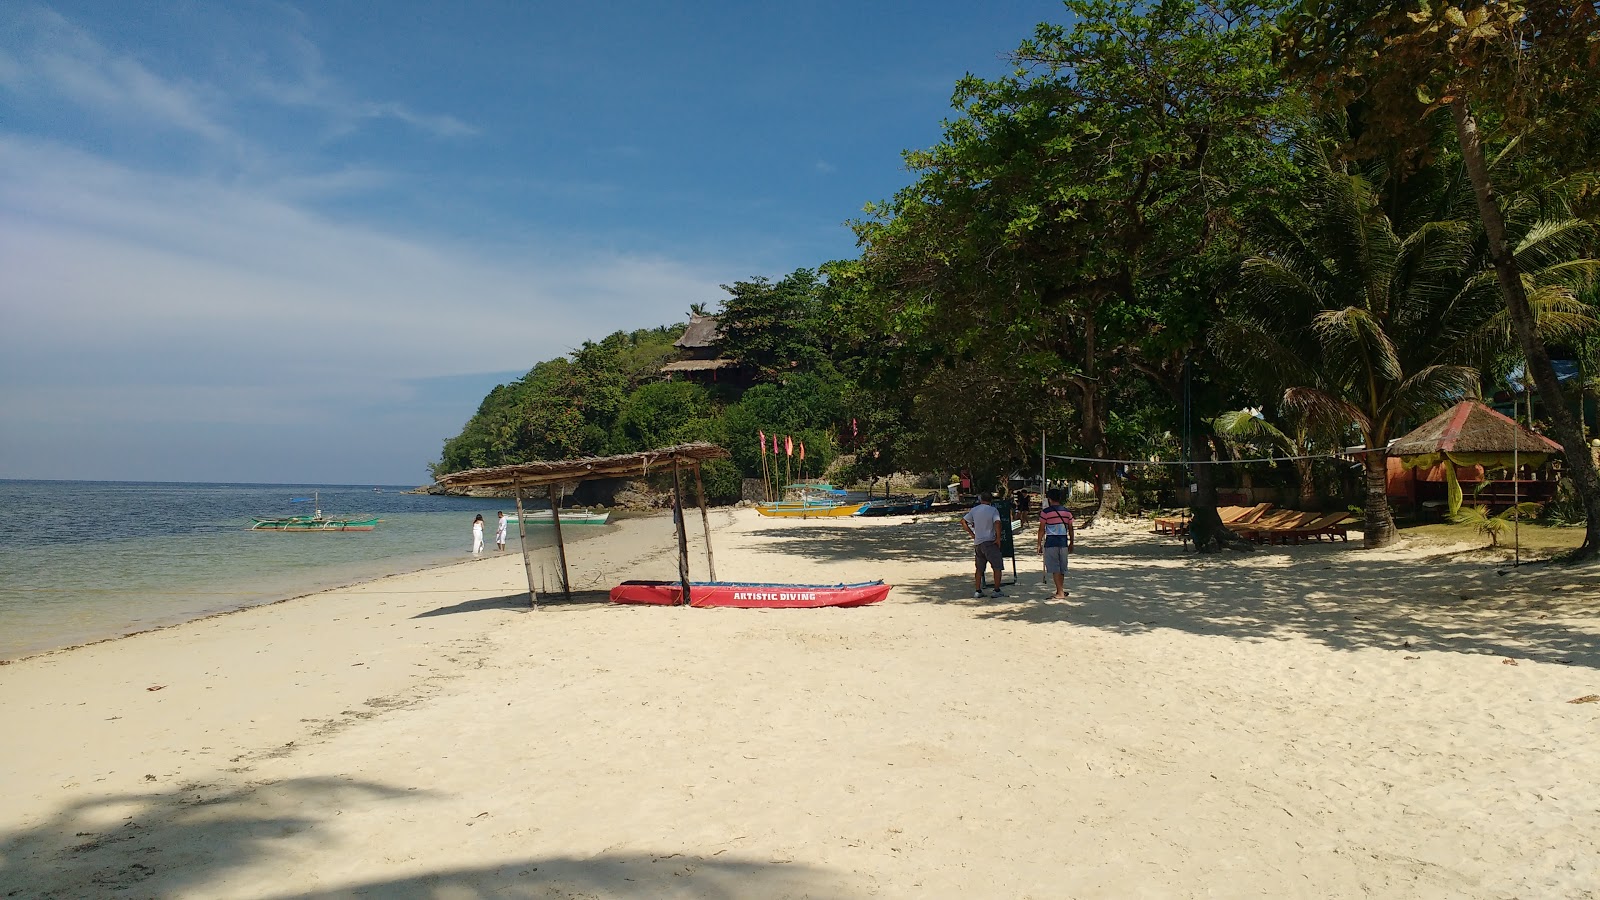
(557, 476)
(1471, 434)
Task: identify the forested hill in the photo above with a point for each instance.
(610, 396)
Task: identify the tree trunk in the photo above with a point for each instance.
(1205, 525)
(1379, 524)
(1308, 485)
(1580, 464)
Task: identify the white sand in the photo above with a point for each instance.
(1239, 726)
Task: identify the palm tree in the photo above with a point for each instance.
(1251, 424)
(1366, 322)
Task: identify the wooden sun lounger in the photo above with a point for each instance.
(1292, 529)
(1332, 525)
(1279, 519)
(1230, 515)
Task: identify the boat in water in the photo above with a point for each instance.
(750, 595)
(568, 517)
(314, 522)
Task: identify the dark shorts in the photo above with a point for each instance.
(987, 555)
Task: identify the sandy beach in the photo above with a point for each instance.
(1315, 721)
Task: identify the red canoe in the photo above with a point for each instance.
(749, 595)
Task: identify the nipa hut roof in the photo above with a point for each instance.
(702, 332)
(1471, 427)
(543, 472)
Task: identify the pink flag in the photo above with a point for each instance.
(853, 431)
(762, 440)
(788, 444)
(774, 445)
(802, 451)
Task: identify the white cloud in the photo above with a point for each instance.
(824, 167)
(135, 289)
(58, 58)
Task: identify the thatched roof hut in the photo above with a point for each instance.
(556, 475)
(1471, 434)
(1471, 428)
(701, 333)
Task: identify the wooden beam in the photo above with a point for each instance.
(522, 540)
(554, 493)
(705, 520)
(683, 534)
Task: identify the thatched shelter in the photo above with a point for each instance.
(1471, 434)
(558, 475)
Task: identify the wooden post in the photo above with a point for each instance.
(522, 539)
(554, 493)
(683, 535)
(705, 520)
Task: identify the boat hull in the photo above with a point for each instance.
(575, 517)
(782, 511)
(313, 523)
(744, 595)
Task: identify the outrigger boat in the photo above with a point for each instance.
(314, 522)
(568, 517)
(810, 499)
(750, 595)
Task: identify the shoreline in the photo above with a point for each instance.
(1307, 720)
(331, 580)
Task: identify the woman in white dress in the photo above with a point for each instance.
(477, 535)
(500, 534)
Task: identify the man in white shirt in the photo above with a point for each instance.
(982, 523)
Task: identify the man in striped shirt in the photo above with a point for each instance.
(1057, 539)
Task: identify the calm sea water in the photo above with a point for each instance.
(82, 560)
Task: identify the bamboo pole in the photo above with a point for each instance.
(705, 520)
(554, 493)
(683, 535)
(522, 539)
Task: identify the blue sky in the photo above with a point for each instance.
(277, 242)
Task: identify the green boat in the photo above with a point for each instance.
(314, 522)
(568, 517)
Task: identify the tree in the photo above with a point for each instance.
(1531, 65)
(1113, 156)
(1387, 311)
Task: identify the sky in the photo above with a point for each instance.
(299, 242)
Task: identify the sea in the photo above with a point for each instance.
(86, 560)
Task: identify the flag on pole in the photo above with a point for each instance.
(788, 444)
(762, 440)
(853, 431)
(774, 445)
(802, 451)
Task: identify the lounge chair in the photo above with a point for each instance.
(1332, 525)
(1285, 531)
(1272, 519)
(1179, 526)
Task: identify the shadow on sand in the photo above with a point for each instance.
(161, 844)
(519, 603)
(1333, 593)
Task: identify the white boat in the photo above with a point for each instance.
(568, 517)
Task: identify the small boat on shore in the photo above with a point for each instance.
(568, 517)
(314, 522)
(750, 595)
(793, 509)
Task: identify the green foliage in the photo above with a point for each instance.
(723, 481)
(1493, 527)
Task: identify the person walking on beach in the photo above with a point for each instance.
(982, 523)
(477, 535)
(1057, 539)
(500, 534)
